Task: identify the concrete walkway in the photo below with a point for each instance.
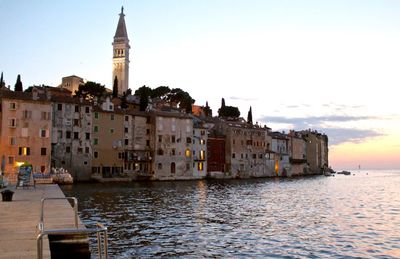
(19, 219)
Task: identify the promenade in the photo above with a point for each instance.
(19, 219)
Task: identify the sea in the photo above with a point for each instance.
(342, 216)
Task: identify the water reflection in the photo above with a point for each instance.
(342, 216)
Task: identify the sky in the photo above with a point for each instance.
(332, 66)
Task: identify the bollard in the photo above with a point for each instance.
(7, 195)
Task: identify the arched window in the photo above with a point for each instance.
(173, 168)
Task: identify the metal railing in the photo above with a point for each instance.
(100, 230)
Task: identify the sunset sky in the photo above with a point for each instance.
(333, 66)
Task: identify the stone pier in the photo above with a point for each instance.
(20, 217)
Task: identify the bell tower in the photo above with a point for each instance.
(121, 55)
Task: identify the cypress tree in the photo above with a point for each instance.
(250, 117)
(222, 103)
(1, 80)
(115, 88)
(18, 84)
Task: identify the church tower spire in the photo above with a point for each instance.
(121, 55)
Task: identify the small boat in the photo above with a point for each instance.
(344, 172)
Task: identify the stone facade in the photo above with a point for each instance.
(72, 136)
(25, 131)
(71, 83)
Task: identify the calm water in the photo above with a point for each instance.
(342, 216)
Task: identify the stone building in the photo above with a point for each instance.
(108, 142)
(317, 151)
(72, 136)
(71, 83)
(173, 135)
(138, 154)
(25, 131)
(280, 147)
(121, 55)
(199, 149)
(297, 153)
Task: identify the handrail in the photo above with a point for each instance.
(100, 230)
(75, 207)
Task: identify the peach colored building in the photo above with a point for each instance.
(25, 132)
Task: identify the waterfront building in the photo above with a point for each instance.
(107, 142)
(280, 147)
(215, 154)
(121, 55)
(25, 131)
(297, 153)
(245, 148)
(138, 155)
(199, 148)
(173, 134)
(71, 83)
(72, 136)
(317, 151)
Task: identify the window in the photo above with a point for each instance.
(12, 141)
(173, 138)
(249, 142)
(173, 168)
(10, 160)
(111, 130)
(43, 133)
(112, 117)
(159, 166)
(96, 154)
(159, 138)
(187, 152)
(126, 130)
(194, 152)
(188, 140)
(254, 156)
(95, 128)
(233, 141)
(203, 132)
(160, 152)
(200, 166)
(173, 152)
(126, 142)
(76, 135)
(187, 166)
(27, 114)
(260, 155)
(87, 109)
(43, 151)
(233, 155)
(12, 123)
(76, 108)
(87, 150)
(24, 132)
(147, 131)
(126, 118)
(67, 149)
(96, 115)
(76, 122)
(59, 106)
(173, 127)
(95, 141)
(24, 151)
(147, 143)
(202, 142)
(202, 154)
(45, 115)
(13, 106)
(68, 134)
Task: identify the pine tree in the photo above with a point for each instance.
(18, 84)
(250, 117)
(115, 88)
(222, 103)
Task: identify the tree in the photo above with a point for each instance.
(144, 101)
(18, 84)
(161, 92)
(250, 117)
(222, 102)
(207, 110)
(144, 90)
(124, 103)
(90, 89)
(115, 88)
(229, 111)
(1, 81)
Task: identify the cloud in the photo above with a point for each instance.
(337, 135)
